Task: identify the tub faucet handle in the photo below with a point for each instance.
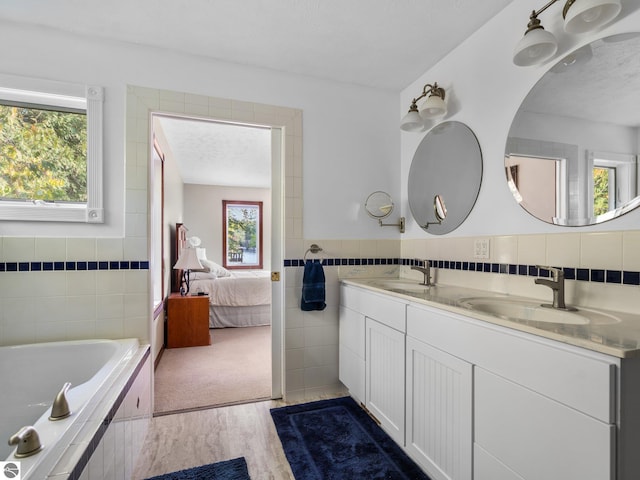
(28, 442)
(60, 408)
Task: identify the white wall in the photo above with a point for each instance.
(344, 159)
(203, 216)
(486, 89)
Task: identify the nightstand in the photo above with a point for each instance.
(187, 321)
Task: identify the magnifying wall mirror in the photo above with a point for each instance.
(380, 205)
(447, 167)
(572, 151)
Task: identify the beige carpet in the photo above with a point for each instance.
(235, 368)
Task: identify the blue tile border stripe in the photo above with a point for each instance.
(48, 266)
(598, 275)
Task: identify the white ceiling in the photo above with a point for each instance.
(383, 44)
(379, 43)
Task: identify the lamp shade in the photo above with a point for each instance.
(535, 47)
(188, 260)
(412, 122)
(433, 107)
(587, 15)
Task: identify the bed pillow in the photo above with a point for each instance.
(213, 267)
(201, 275)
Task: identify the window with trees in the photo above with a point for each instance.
(242, 234)
(51, 153)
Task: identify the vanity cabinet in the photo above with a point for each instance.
(372, 348)
(540, 409)
(351, 369)
(385, 377)
(439, 411)
(517, 430)
(470, 399)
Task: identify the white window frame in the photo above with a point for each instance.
(80, 97)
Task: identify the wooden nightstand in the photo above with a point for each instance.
(187, 321)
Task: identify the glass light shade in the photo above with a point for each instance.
(188, 260)
(433, 107)
(586, 15)
(412, 122)
(535, 47)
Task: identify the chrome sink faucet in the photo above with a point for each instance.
(426, 271)
(556, 284)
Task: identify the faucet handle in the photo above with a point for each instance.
(556, 273)
(27, 440)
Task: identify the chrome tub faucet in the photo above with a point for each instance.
(556, 284)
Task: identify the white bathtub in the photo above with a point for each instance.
(32, 375)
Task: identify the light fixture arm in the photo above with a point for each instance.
(533, 18)
(426, 90)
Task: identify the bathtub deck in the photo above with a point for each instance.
(184, 440)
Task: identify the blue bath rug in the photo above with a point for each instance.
(235, 469)
(336, 440)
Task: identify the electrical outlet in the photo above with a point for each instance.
(481, 248)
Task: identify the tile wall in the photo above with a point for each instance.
(71, 288)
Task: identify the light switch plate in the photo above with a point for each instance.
(481, 248)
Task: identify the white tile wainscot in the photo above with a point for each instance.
(489, 402)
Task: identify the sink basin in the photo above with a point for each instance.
(404, 285)
(513, 309)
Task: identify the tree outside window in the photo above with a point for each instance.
(242, 234)
(43, 154)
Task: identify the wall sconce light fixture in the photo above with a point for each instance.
(433, 107)
(580, 16)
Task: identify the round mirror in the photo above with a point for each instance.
(379, 204)
(446, 165)
(572, 151)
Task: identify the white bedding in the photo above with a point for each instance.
(242, 289)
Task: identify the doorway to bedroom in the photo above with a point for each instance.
(207, 164)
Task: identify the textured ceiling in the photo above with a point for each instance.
(599, 82)
(213, 153)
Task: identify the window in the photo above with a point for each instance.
(613, 182)
(604, 189)
(242, 234)
(50, 152)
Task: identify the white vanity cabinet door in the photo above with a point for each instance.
(351, 363)
(385, 385)
(537, 437)
(439, 411)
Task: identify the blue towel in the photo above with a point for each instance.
(313, 290)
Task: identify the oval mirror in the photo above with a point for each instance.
(379, 204)
(447, 164)
(572, 151)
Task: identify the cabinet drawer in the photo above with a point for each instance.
(538, 437)
(378, 307)
(583, 380)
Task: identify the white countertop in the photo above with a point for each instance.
(620, 339)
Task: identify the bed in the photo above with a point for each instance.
(237, 298)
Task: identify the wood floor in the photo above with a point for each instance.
(185, 440)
